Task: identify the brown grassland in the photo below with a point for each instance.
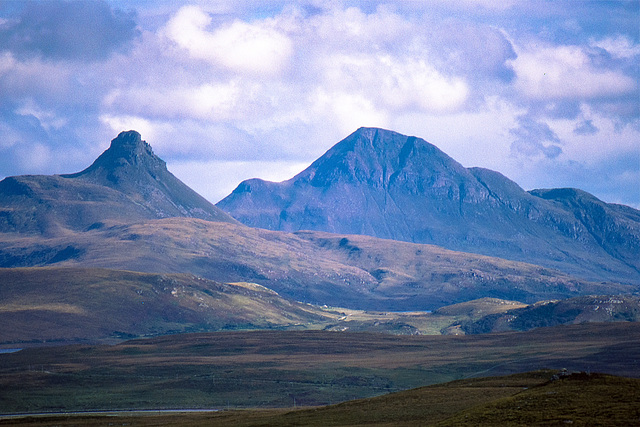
(526, 399)
(54, 305)
(343, 271)
(282, 369)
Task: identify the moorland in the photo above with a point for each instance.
(265, 369)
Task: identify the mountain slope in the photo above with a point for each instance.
(107, 216)
(351, 271)
(384, 184)
(59, 305)
(616, 228)
(127, 183)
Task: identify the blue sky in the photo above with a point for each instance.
(545, 92)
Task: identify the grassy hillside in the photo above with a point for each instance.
(578, 399)
(52, 305)
(593, 308)
(266, 369)
(346, 271)
(55, 305)
(526, 399)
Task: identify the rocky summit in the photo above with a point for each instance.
(381, 183)
(127, 183)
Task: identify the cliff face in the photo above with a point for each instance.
(384, 184)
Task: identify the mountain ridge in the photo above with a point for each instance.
(384, 184)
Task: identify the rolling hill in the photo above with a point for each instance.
(380, 183)
(592, 308)
(358, 272)
(63, 305)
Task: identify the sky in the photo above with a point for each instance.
(545, 92)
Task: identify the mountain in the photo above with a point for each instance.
(127, 183)
(380, 183)
(127, 212)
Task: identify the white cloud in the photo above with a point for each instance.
(473, 138)
(413, 82)
(47, 118)
(257, 87)
(350, 111)
(212, 101)
(394, 83)
(245, 47)
(149, 130)
(33, 78)
(618, 46)
(557, 72)
(592, 148)
(354, 29)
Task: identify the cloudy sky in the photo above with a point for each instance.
(546, 92)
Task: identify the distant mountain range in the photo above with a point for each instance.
(380, 183)
(128, 212)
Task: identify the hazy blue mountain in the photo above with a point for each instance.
(127, 183)
(384, 184)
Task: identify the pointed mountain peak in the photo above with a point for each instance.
(130, 142)
(130, 167)
(385, 144)
(378, 156)
(127, 156)
(128, 148)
